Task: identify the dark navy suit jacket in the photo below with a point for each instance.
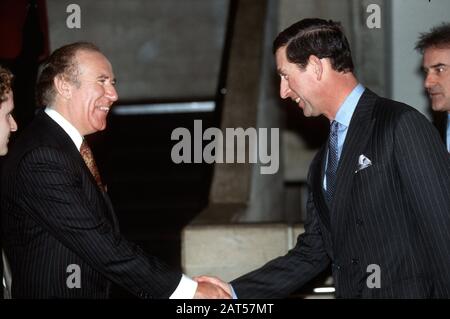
(394, 214)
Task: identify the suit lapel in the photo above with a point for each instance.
(317, 187)
(359, 132)
(64, 142)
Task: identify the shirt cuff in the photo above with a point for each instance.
(186, 289)
(233, 293)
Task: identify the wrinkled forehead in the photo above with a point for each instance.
(437, 53)
(93, 63)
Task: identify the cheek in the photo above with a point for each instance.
(294, 86)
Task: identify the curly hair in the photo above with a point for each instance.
(6, 78)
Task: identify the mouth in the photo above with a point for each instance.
(104, 108)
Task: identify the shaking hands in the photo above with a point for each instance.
(212, 288)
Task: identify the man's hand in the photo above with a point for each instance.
(208, 290)
(214, 281)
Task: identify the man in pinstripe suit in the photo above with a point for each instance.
(382, 218)
(60, 232)
(435, 47)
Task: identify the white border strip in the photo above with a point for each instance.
(189, 107)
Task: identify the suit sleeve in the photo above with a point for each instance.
(286, 274)
(424, 167)
(54, 196)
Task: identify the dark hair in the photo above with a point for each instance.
(6, 78)
(439, 37)
(322, 38)
(61, 62)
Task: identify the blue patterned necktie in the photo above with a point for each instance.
(333, 160)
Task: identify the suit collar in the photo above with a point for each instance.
(55, 134)
(58, 137)
(73, 133)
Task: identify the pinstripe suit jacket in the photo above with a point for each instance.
(395, 214)
(441, 124)
(54, 215)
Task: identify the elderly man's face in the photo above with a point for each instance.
(7, 122)
(92, 99)
(436, 64)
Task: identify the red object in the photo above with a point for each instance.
(12, 18)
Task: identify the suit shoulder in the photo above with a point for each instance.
(388, 110)
(394, 107)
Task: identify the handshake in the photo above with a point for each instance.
(212, 288)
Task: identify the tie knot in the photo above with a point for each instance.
(85, 147)
(334, 126)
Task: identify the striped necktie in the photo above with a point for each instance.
(333, 160)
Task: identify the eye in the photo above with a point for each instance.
(284, 77)
(440, 69)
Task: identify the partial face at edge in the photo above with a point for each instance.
(7, 122)
(436, 65)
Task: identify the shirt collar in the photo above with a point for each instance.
(346, 110)
(73, 133)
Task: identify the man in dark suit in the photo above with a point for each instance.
(379, 191)
(435, 47)
(60, 232)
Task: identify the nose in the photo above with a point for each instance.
(111, 93)
(284, 89)
(12, 124)
(429, 80)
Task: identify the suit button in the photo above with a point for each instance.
(144, 295)
(335, 266)
(355, 261)
(359, 222)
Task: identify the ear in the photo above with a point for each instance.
(317, 66)
(62, 86)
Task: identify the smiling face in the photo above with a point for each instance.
(94, 93)
(436, 64)
(7, 122)
(296, 83)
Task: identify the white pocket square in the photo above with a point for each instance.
(363, 162)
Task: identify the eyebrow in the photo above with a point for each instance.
(434, 66)
(104, 76)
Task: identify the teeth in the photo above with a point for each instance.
(297, 100)
(104, 108)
